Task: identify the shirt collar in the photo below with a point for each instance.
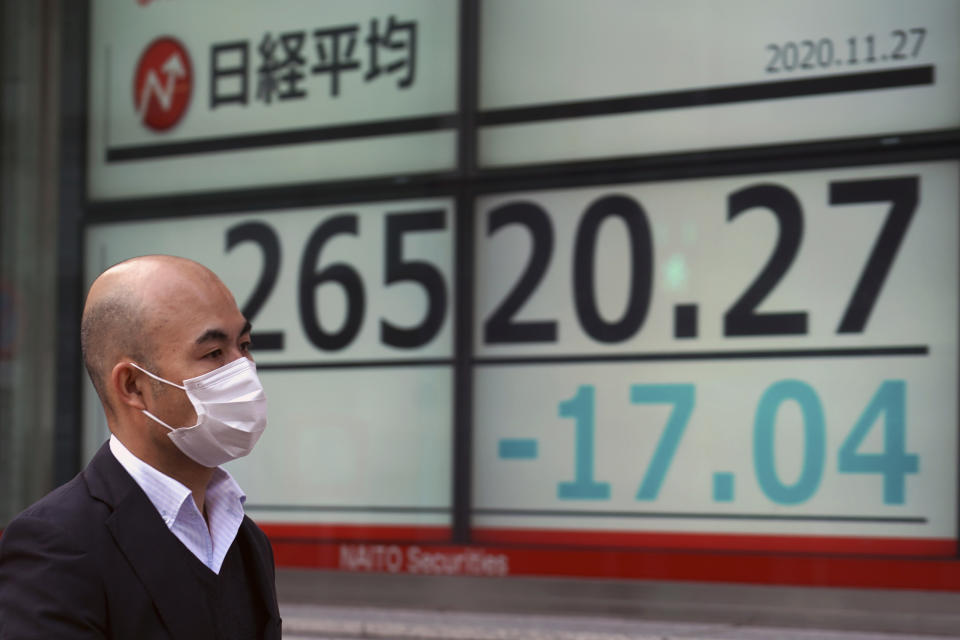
(168, 495)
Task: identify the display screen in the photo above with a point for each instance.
(351, 309)
(768, 354)
(738, 332)
(561, 80)
(247, 94)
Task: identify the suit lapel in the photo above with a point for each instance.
(149, 547)
(265, 584)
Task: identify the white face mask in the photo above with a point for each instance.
(231, 413)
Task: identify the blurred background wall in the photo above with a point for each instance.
(29, 115)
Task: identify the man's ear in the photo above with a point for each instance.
(128, 384)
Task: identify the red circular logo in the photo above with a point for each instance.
(162, 84)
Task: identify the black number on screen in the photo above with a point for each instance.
(742, 319)
(396, 269)
(810, 51)
(901, 37)
(870, 49)
(772, 65)
(825, 52)
(339, 273)
(921, 33)
(500, 326)
(641, 269)
(789, 56)
(266, 238)
(903, 195)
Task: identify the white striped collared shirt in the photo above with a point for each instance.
(223, 503)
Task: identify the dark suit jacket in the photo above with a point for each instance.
(94, 559)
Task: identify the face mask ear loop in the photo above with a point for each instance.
(156, 419)
(156, 377)
(159, 379)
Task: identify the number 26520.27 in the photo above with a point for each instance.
(740, 319)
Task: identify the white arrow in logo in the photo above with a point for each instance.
(173, 68)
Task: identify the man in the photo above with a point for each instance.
(150, 540)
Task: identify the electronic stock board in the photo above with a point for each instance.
(765, 360)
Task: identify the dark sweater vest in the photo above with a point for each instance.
(231, 597)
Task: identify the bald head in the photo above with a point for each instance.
(130, 303)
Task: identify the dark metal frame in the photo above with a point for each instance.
(68, 435)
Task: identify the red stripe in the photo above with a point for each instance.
(772, 569)
(748, 568)
(719, 541)
(775, 560)
(364, 532)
